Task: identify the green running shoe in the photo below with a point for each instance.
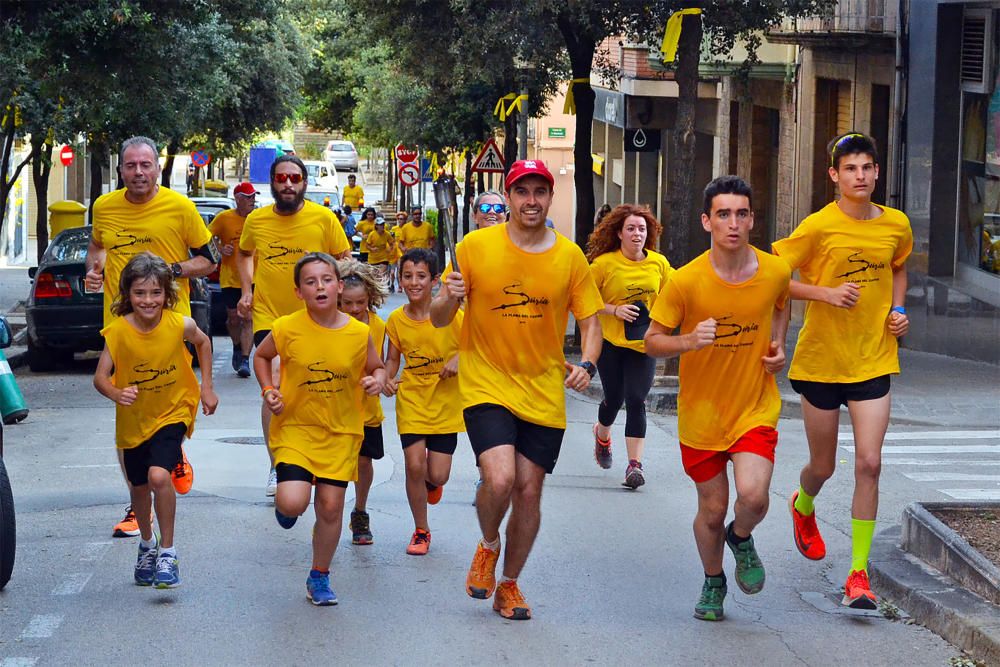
(709, 607)
(749, 570)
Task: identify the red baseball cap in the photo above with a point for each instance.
(522, 168)
(245, 189)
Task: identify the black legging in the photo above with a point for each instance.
(626, 376)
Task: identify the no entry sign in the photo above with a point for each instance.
(66, 156)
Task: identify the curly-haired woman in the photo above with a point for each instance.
(629, 273)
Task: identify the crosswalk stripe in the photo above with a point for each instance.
(930, 435)
(937, 461)
(935, 449)
(951, 477)
(972, 494)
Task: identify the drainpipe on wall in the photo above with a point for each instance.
(896, 160)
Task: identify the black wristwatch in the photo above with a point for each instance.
(176, 269)
(589, 367)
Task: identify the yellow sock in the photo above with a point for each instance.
(862, 532)
(804, 503)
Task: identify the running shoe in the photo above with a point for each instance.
(127, 527)
(318, 589)
(285, 522)
(237, 358)
(482, 579)
(434, 493)
(633, 475)
(182, 475)
(419, 543)
(858, 592)
(602, 450)
(145, 564)
(166, 572)
(709, 607)
(509, 602)
(807, 538)
(272, 484)
(244, 370)
(360, 529)
(749, 570)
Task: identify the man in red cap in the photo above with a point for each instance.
(520, 281)
(226, 228)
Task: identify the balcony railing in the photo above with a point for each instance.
(849, 16)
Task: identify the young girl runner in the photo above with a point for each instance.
(363, 293)
(146, 370)
(328, 363)
(428, 409)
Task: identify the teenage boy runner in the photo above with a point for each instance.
(521, 281)
(730, 306)
(226, 227)
(851, 258)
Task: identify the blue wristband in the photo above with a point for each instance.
(898, 309)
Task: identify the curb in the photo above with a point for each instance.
(934, 600)
(17, 357)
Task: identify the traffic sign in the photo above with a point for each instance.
(66, 156)
(426, 175)
(200, 158)
(409, 174)
(642, 141)
(404, 154)
(490, 159)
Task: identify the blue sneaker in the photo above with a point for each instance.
(166, 571)
(318, 589)
(145, 564)
(237, 358)
(244, 370)
(285, 522)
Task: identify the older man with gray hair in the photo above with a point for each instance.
(143, 217)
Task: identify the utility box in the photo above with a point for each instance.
(65, 215)
(260, 164)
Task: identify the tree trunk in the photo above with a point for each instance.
(41, 168)
(168, 165)
(680, 216)
(509, 141)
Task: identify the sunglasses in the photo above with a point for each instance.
(496, 208)
(294, 178)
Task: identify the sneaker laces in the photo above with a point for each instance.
(747, 555)
(179, 469)
(857, 579)
(711, 594)
(421, 536)
(147, 558)
(512, 594)
(165, 564)
(359, 522)
(129, 514)
(481, 561)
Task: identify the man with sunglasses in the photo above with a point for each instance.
(416, 233)
(489, 209)
(851, 257)
(278, 235)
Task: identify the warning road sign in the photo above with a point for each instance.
(490, 159)
(409, 174)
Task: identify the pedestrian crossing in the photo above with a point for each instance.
(966, 463)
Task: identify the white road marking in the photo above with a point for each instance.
(72, 584)
(972, 494)
(18, 662)
(42, 626)
(930, 435)
(91, 465)
(939, 462)
(935, 449)
(95, 551)
(951, 477)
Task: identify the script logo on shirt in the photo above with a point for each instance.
(857, 265)
(637, 292)
(322, 379)
(126, 240)
(518, 299)
(143, 375)
(280, 251)
(416, 361)
(733, 334)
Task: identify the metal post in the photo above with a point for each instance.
(522, 129)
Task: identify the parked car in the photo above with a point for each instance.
(8, 531)
(64, 318)
(341, 154)
(208, 208)
(324, 173)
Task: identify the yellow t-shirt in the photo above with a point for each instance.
(623, 281)
(724, 389)
(379, 249)
(373, 405)
(516, 313)
(417, 237)
(321, 427)
(353, 196)
(396, 252)
(228, 226)
(168, 226)
(363, 228)
(829, 248)
(279, 241)
(158, 364)
(426, 404)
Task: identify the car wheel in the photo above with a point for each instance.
(42, 358)
(7, 528)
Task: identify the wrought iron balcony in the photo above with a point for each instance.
(852, 22)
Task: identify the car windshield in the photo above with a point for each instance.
(313, 170)
(72, 247)
(323, 198)
(342, 146)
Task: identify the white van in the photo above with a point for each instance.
(324, 173)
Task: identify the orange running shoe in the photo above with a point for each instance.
(127, 527)
(857, 592)
(482, 579)
(434, 493)
(419, 543)
(182, 475)
(509, 602)
(807, 538)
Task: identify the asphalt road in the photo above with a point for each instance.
(612, 580)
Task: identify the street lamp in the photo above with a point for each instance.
(525, 68)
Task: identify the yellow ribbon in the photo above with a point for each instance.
(434, 165)
(672, 33)
(500, 109)
(516, 103)
(569, 107)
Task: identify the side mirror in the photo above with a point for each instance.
(32, 270)
(6, 335)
